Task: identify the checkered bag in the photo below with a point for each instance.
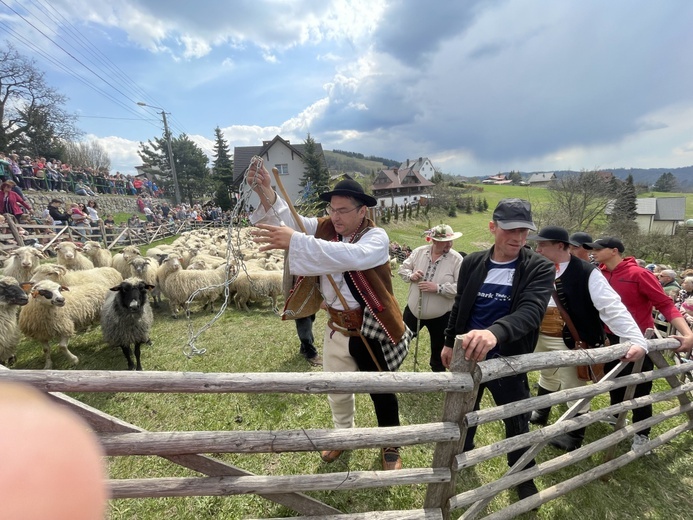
(394, 353)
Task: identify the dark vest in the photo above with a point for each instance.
(573, 291)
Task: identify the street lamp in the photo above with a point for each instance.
(170, 150)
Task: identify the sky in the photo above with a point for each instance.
(478, 87)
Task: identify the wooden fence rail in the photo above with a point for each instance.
(460, 386)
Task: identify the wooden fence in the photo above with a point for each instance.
(14, 235)
(460, 385)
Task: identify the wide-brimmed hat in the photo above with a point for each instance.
(514, 214)
(606, 243)
(442, 233)
(551, 233)
(580, 238)
(350, 188)
(56, 201)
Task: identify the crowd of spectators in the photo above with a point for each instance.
(40, 174)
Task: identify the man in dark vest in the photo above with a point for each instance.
(590, 302)
(365, 331)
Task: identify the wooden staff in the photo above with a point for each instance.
(299, 223)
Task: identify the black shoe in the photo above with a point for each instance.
(541, 417)
(526, 490)
(570, 441)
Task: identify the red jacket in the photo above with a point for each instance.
(640, 290)
(13, 204)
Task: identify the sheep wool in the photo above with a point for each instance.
(22, 263)
(126, 318)
(99, 256)
(106, 276)
(71, 257)
(52, 314)
(11, 297)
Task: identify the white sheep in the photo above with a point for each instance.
(126, 318)
(22, 263)
(178, 284)
(145, 269)
(121, 260)
(71, 257)
(51, 314)
(99, 256)
(255, 285)
(12, 296)
(106, 276)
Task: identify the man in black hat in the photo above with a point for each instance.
(501, 298)
(577, 240)
(365, 330)
(590, 303)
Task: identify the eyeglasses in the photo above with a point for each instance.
(341, 211)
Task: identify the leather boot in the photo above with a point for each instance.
(541, 417)
(569, 441)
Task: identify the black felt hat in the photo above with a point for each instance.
(551, 233)
(350, 188)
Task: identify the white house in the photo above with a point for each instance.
(422, 166)
(541, 179)
(657, 215)
(278, 153)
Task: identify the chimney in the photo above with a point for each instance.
(407, 163)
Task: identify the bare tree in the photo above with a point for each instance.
(86, 155)
(32, 116)
(577, 200)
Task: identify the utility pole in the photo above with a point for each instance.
(176, 191)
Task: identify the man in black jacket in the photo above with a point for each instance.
(59, 218)
(501, 299)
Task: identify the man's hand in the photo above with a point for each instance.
(477, 343)
(416, 276)
(273, 237)
(634, 353)
(446, 356)
(686, 343)
(258, 175)
(428, 287)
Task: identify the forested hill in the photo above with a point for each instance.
(649, 176)
(340, 161)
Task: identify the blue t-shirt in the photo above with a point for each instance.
(493, 301)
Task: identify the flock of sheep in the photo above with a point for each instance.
(88, 285)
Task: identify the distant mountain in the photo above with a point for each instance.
(338, 161)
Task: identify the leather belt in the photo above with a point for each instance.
(346, 322)
(552, 324)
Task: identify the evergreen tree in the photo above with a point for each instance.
(624, 212)
(223, 172)
(469, 205)
(480, 205)
(666, 183)
(396, 212)
(316, 176)
(485, 204)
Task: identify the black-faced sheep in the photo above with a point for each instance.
(51, 314)
(22, 263)
(178, 284)
(106, 276)
(126, 318)
(99, 256)
(11, 297)
(70, 256)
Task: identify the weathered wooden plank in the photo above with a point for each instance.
(218, 486)
(663, 366)
(256, 382)
(534, 403)
(502, 367)
(101, 421)
(277, 441)
(412, 514)
(491, 489)
(470, 458)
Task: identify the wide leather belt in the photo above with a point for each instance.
(552, 324)
(346, 322)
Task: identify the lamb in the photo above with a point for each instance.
(256, 285)
(51, 314)
(23, 262)
(145, 269)
(126, 318)
(178, 285)
(99, 256)
(106, 276)
(11, 297)
(71, 257)
(122, 259)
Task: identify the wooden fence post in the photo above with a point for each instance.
(455, 409)
(11, 224)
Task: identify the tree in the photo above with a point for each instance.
(223, 172)
(86, 154)
(624, 212)
(193, 176)
(576, 201)
(316, 176)
(32, 117)
(666, 183)
(516, 177)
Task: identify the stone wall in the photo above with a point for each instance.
(106, 203)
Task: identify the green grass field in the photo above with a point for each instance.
(654, 487)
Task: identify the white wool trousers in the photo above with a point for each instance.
(554, 379)
(336, 358)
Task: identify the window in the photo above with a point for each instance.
(283, 169)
